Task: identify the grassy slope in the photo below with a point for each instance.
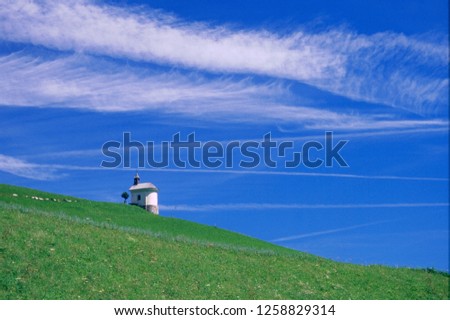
(91, 250)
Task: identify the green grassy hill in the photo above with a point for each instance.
(59, 247)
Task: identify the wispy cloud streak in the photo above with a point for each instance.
(325, 232)
(281, 206)
(79, 81)
(336, 60)
(26, 169)
(244, 172)
(82, 153)
(288, 173)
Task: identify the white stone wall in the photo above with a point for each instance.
(134, 197)
(152, 199)
(149, 200)
(152, 203)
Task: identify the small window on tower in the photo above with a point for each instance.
(139, 197)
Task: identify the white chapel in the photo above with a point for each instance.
(144, 195)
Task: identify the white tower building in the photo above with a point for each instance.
(144, 195)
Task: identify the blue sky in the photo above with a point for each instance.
(77, 74)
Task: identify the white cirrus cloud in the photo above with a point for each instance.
(27, 169)
(329, 231)
(281, 206)
(80, 81)
(385, 67)
(252, 172)
(48, 171)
